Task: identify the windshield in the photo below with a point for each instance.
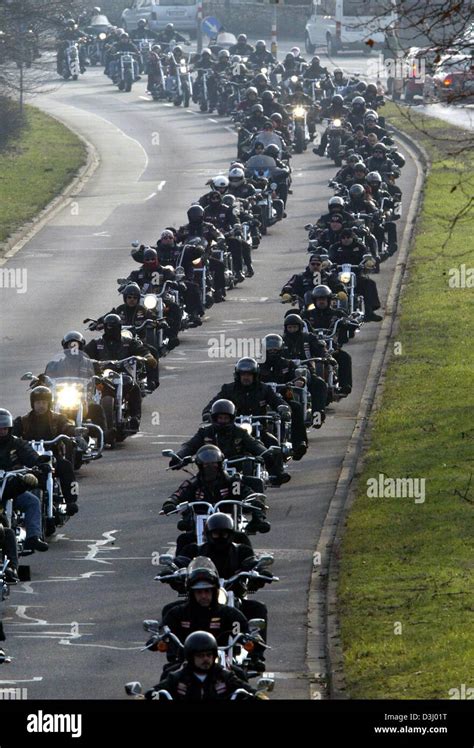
(70, 363)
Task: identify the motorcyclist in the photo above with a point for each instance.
(169, 33)
(223, 432)
(270, 104)
(323, 316)
(71, 33)
(256, 120)
(379, 160)
(42, 423)
(224, 219)
(287, 68)
(301, 345)
(205, 64)
(75, 363)
(229, 558)
(337, 205)
(16, 453)
(198, 227)
(123, 45)
(357, 112)
(220, 183)
(299, 98)
(169, 253)
(155, 68)
(201, 678)
(132, 314)
(251, 97)
(383, 199)
(301, 284)
(151, 278)
(280, 370)
(143, 31)
(8, 548)
(113, 346)
(252, 397)
(242, 47)
(333, 108)
(350, 250)
(261, 57)
(213, 484)
(315, 69)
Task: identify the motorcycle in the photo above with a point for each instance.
(53, 503)
(125, 74)
(113, 400)
(96, 49)
(278, 427)
(299, 128)
(73, 384)
(71, 67)
(347, 275)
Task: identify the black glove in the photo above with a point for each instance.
(44, 468)
(168, 506)
(175, 462)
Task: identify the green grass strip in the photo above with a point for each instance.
(406, 593)
(35, 168)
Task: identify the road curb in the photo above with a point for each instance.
(19, 238)
(324, 650)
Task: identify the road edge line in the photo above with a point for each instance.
(323, 647)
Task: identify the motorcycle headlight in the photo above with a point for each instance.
(298, 111)
(274, 186)
(294, 79)
(102, 36)
(150, 301)
(68, 397)
(264, 70)
(183, 69)
(345, 277)
(337, 123)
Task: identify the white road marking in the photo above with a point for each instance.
(161, 185)
(213, 120)
(101, 646)
(36, 679)
(150, 196)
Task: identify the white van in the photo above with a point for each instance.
(158, 13)
(348, 24)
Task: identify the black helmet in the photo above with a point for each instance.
(131, 289)
(373, 177)
(6, 419)
(260, 44)
(208, 454)
(289, 57)
(276, 117)
(337, 99)
(357, 190)
(371, 89)
(267, 95)
(177, 50)
(380, 147)
(202, 574)
(242, 39)
(315, 60)
(293, 319)
(150, 258)
(112, 327)
(223, 407)
(73, 337)
(257, 108)
(261, 78)
(246, 366)
(141, 22)
(358, 101)
(361, 87)
(41, 393)
(321, 292)
(336, 202)
(195, 213)
(206, 458)
(197, 642)
(272, 150)
(169, 27)
(222, 523)
(273, 344)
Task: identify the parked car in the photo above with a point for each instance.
(158, 13)
(453, 77)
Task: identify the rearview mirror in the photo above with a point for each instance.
(27, 376)
(166, 559)
(265, 561)
(256, 623)
(265, 683)
(134, 688)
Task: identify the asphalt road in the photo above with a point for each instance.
(75, 630)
